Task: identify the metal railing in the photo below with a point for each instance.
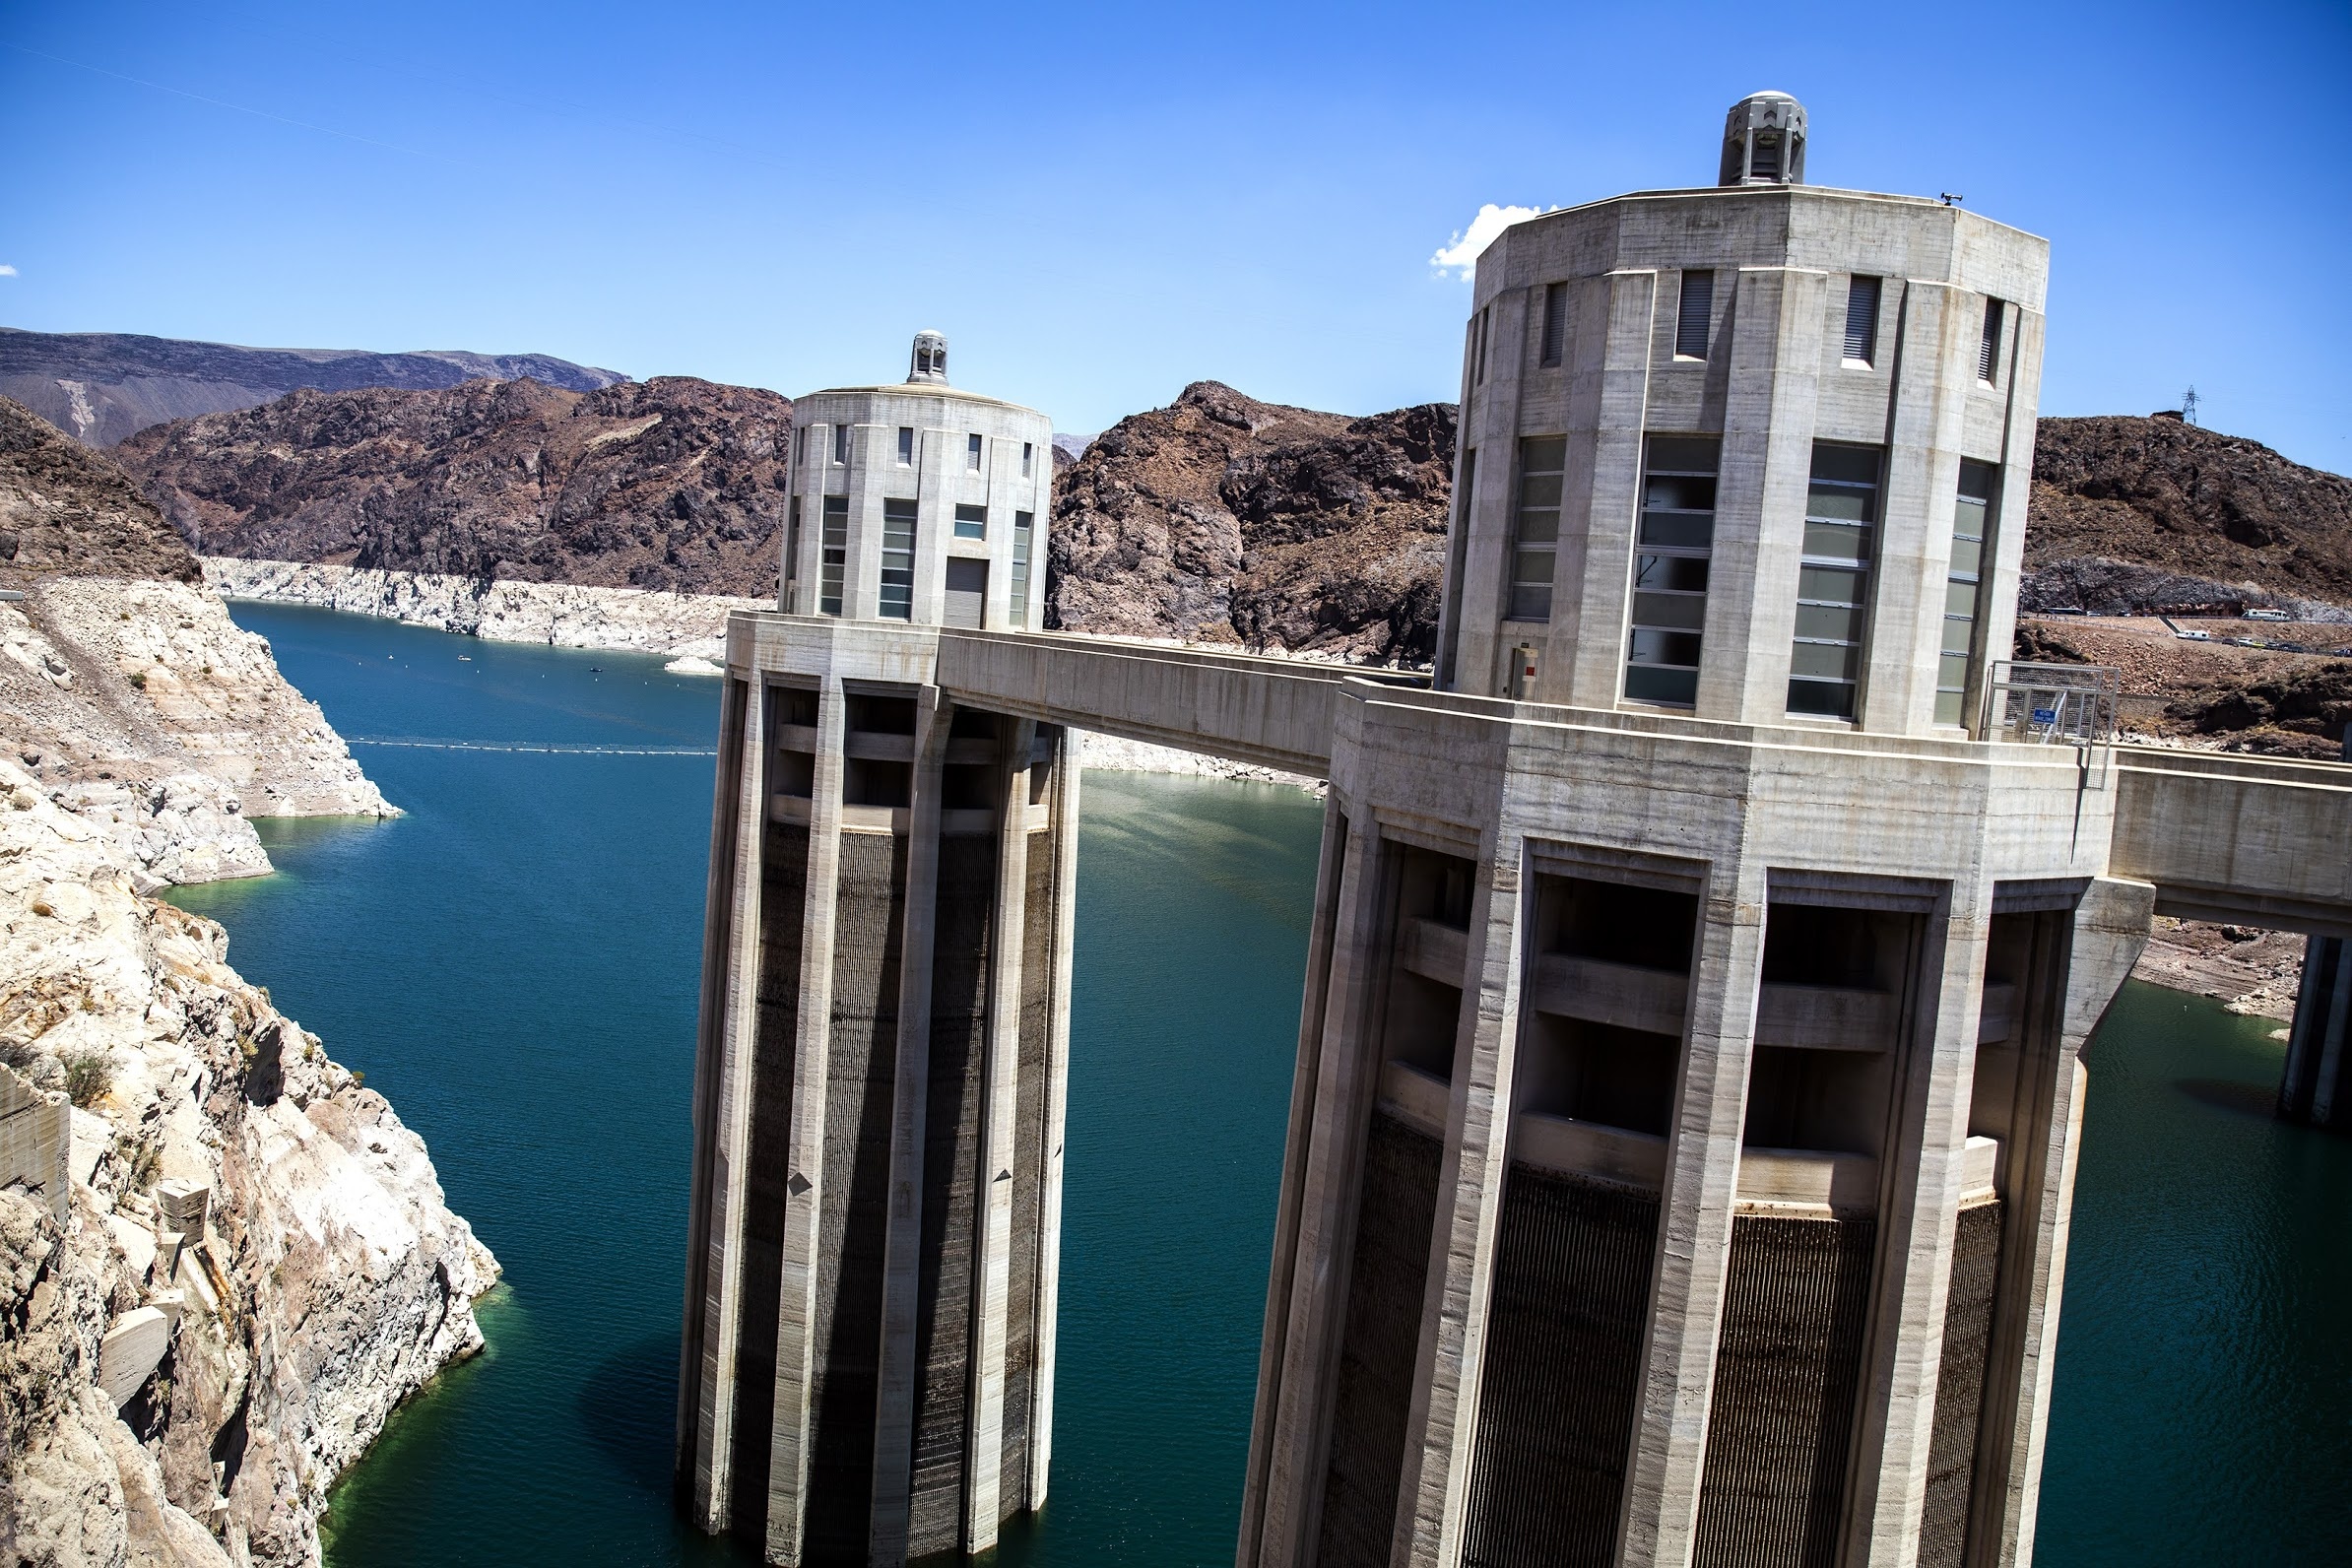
(2051, 704)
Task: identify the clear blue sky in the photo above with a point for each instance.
(1100, 205)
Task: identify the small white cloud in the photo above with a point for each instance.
(6, 271)
(1462, 256)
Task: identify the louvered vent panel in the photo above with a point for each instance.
(1862, 318)
(1698, 304)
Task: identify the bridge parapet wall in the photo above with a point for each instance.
(2253, 839)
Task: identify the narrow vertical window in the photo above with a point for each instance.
(1535, 527)
(971, 522)
(799, 444)
(1989, 350)
(1029, 458)
(897, 599)
(1691, 315)
(840, 443)
(906, 445)
(1862, 320)
(1023, 523)
(1669, 569)
(1964, 588)
(1479, 356)
(792, 541)
(1555, 322)
(971, 453)
(835, 543)
(1833, 581)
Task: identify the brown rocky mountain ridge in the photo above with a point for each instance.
(1219, 519)
(671, 483)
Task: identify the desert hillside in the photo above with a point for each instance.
(669, 484)
(2154, 516)
(126, 690)
(101, 386)
(1221, 519)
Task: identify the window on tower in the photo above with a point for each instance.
(1535, 527)
(971, 453)
(1833, 581)
(1669, 569)
(836, 565)
(897, 599)
(906, 445)
(1555, 322)
(1964, 588)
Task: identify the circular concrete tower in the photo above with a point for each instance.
(1756, 453)
(918, 503)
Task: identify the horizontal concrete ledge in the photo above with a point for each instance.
(1415, 1098)
(1630, 997)
(1980, 1169)
(1614, 1156)
(793, 811)
(1796, 1182)
(1806, 1183)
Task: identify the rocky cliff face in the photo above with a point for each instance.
(183, 1377)
(101, 386)
(1221, 519)
(674, 483)
(126, 690)
(2153, 516)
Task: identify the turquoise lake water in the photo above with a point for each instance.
(514, 964)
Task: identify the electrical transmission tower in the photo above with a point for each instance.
(2189, 404)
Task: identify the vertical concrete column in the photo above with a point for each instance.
(861, 574)
(722, 1105)
(1444, 1416)
(2110, 927)
(1919, 491)
(1769, 399)
(1065, 818)
(999, 1126)
(1922, 1178)
(1702, 1177)
(2313, 1089)
(894, 1407)
(1996, 598)
(1490, 426)
(1346, 1070)
(1608, 395)
(796, 1311)
(1280, 1279)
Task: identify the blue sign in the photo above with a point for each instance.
(2046, 715)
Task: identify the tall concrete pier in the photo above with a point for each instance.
(867, 1366)
(1689, 1090)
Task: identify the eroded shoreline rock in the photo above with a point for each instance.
(326, 1280)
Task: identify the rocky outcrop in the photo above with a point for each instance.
(1221, 519)
(673, 485)
(254, 1264)
(101, 386)
(2156, 516)
(126, 690)
(558, 614)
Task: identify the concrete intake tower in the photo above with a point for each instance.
(1688, 1092)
